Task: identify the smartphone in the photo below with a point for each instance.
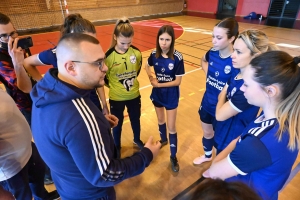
(24, 43)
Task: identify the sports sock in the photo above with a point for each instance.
(163, 131)
(173, 144)
(208, 146)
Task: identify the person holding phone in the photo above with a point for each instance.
(18, 85)
(12, 73)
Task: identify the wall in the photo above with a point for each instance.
(36, 14)
(205, 6)
(244, 7)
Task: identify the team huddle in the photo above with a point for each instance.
(249, 112)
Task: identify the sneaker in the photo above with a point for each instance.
(174, 164)
(48, 181)
(201, 159)
(53, 195)
(163, 143)
(139, 143)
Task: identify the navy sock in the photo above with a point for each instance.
(173, 144)
(208, 146)
(163, 131)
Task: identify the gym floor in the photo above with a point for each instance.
(193, 40)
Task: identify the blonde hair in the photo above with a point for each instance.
(122, 27)
(257, 41)
(278, 67)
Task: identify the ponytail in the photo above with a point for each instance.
(122, 27)
(278, 67)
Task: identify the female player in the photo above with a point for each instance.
(74, 23)
(124, 64)
(217, 65)
(169, 69)
(263, 155)
(233, 112)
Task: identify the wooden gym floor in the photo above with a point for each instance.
(193, 40)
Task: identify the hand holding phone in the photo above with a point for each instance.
(24, 43)
(16, 53)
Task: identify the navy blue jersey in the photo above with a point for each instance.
(228, 130)
(261, 160)
(166, 70)
(48, 57)
(219, 72)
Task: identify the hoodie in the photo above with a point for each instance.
(74, 139)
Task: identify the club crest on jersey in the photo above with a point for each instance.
(163, 70)
(132, 59)
(156, 64)
(233, 91)
(171, 66)
(211, 63)
(217, 73)
(227, 69)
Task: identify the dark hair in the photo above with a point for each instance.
(232, 27)
(217, 189)
(170, 31)
(4, 19)
(122, 27)
(76, 38)
(278, 67)
(75, 23)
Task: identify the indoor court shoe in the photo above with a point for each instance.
(174, 164)
(139, 143)
(163, 143)
(53, 195)
(201, 159)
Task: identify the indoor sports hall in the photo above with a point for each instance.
(193, 22)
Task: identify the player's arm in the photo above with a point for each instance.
(204, 64)
(220, 167)
(223, 154)
(149, 72)
(103, 170)
(224, 109)
(140, 62)
(17, 57)
(237, 161)
(101, 93)
(30, 64)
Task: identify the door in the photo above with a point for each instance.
(284, 9)
(227, 8)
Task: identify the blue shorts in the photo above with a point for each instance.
(206, 117)
(158, 105)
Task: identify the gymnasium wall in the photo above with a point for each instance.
(244, 7)
(203, 6)
(35, 14)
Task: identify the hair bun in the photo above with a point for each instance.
(297, 60)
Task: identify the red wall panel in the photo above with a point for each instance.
(205, 6)
(244, 7)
